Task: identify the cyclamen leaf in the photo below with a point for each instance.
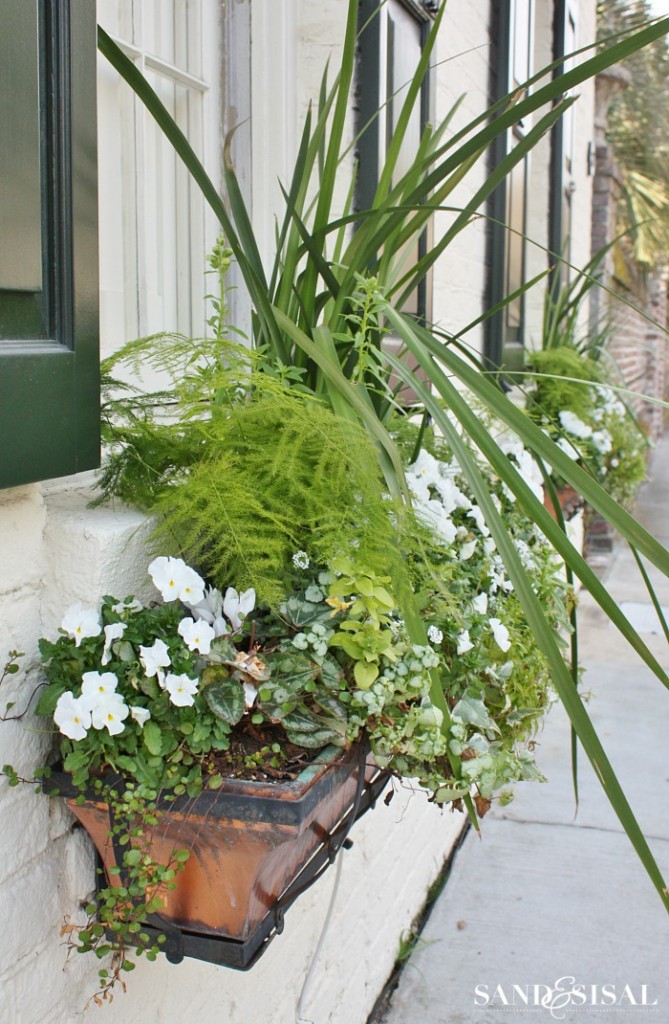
(331, 673)
(334, 708)
(299, 721)
(320, 738)
(226, 700)
(294, 671)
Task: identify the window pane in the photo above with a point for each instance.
(20, 187)
(515, 244)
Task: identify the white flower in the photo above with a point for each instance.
(141, 715)
(96, 687)
(467, 550)
(500, 633)
(476, 514)
(181, 689)
(480, 603)
(71, 716)
(155, 658)
(602, 441)
(197, 636)
(130, 605)
(114, 631)
(615, 463)
(301, 560)
(432, 513)
(574, 425)
(174, 579)
(110, 714)
(498, 578)
(423, 474)
(250, 694)
(237, 606)
(434, 634)
(568, 448)
(210, 608)
(79, 622)
(464, 643)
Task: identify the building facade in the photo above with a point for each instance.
(69, 277)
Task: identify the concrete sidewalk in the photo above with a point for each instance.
(544, 895)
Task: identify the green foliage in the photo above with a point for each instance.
(281, 472)
(638, 129)
(115, 919)
(302, 308)
(601, 432)
(558, 387)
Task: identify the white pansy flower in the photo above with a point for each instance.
(96, 687)
(431, 512)
(476, 514)
(71, 716)
(434, 634)
(451, 495)
(141, 715)
(489, 545)
(423, 474)
(182, 689)
(155, 658)
(500, 633)
(79, 622)
(574, 425)
(237, 606)
(197, 636)
(110, 714)
(480, 603)
(176, 580)
(467, 550)
(464, 643)
(114, 631)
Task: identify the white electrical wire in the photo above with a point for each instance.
(299, 1010)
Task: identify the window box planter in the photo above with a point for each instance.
(254, 847)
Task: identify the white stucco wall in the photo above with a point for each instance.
(462, 71)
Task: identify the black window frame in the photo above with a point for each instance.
(504, 346)
(369, 100)
(49, 360)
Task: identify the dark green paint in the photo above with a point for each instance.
(49, 361)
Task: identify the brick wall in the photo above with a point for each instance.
(637, 342)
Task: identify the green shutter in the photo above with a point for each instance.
(49, 377)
